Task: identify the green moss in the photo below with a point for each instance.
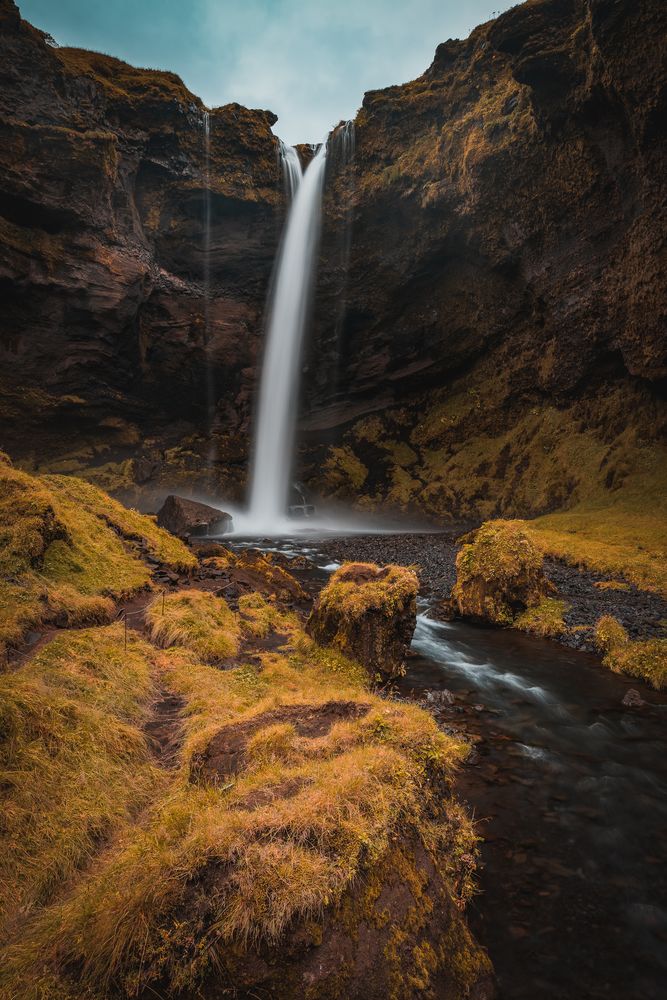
(343, 470)
(544, 619)
(499, 573)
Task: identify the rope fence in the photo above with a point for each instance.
(123, 615)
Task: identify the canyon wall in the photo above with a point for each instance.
(107, 336)
(490, 327)
(504, 343)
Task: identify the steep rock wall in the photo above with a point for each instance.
(503, 295)
(107, 337)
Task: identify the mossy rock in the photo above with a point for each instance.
(370, 614)
(499, 574)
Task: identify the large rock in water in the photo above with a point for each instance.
(189, 517)
(369, 614)
(499, 573)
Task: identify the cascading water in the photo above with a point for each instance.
(206, 275)
(290, 165)
(274, 439)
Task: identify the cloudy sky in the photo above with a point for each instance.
(309, 61)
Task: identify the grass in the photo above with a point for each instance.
(259, 617)
(130, 524)
(119, 877)
(646, 659)
(73, 763)
(627, 539)
(66, 550)
(544, 619)
(211, 872)
(196, 620)
(357, 588)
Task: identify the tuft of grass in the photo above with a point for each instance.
(196, 620)
(646, 659)
(260, 617)
(544, 619)
(609, 634)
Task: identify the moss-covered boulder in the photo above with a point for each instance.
(369, 613)
(499, 574)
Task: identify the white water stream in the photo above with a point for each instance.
(275, 430)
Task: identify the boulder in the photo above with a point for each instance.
(370, 614)
(499, 574)
(184, 517)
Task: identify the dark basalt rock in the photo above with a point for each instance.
(184, 517)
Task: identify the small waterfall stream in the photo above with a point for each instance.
(206, 276)
(275, 428)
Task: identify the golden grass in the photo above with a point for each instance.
(357, 588)
(646, 659)
(196, 620)
(116, 876)
(212, 870)
(130, 524)
(66, 549)
(627, 539)
(260, 617)
(544, 619)
(73, 762)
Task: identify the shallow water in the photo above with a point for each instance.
(569, 788)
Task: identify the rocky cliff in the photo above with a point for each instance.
(117, 338)
(504, 344)
(489, 335)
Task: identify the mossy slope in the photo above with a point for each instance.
(66, 549)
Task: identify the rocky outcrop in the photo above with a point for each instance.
(490, 312)
(369, 614)
(119, 342)
(499, 574)
(185, 517)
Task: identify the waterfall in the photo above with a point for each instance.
(206, 275)
(290, 164)
(276, 419)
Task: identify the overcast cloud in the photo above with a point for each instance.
(310, 63)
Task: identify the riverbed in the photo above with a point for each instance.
(568, 785)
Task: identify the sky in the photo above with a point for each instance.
(309, 62)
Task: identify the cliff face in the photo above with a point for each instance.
(503, 293)
(107, 333)
(489, 335)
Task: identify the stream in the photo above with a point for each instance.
(569, 789)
